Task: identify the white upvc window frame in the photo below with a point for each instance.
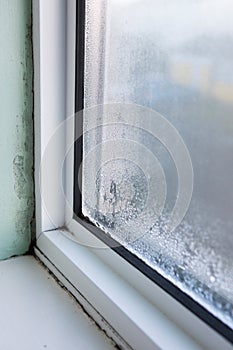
(140, 314)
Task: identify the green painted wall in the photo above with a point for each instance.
(16, 127)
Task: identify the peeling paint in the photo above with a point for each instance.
(19, 176)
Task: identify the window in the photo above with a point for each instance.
(118, 67)
(130, 57)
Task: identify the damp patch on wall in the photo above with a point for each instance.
(16, 128)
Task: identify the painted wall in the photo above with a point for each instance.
(16, 127)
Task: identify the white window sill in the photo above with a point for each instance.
(36, 313)
(114, 297)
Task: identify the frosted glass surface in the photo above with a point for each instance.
(174, 57)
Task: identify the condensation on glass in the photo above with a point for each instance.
(174, 57)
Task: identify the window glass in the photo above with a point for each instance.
(160, 74)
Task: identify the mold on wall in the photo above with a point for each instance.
(16, 127)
